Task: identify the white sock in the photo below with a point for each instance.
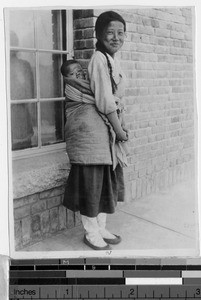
(101, 219)
(92, 231)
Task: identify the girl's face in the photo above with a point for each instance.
(113, 37)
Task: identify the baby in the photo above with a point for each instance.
(71, 68)
(74, 76)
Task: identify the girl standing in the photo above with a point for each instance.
(95, 182)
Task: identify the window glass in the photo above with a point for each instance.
(49, 30)
(52, 122)
(22, 75)
(24, 126)
(38, 40)
(22, 29)
(50, 76)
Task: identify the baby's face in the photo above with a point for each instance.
(76, 71)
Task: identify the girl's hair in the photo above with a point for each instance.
(100, 47)
(66, 64)
(103, 20)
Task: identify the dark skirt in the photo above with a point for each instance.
(93, 189)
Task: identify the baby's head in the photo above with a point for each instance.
(72, 68)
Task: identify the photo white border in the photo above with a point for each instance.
(4, 217)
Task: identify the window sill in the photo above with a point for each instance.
(36, 174)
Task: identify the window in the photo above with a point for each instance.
(39, 41)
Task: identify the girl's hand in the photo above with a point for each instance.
(122, 136)
(126, 130)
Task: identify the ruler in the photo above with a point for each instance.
(103, 279)
(105, 292)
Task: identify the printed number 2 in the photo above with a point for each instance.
(131, 292)
(198, 292)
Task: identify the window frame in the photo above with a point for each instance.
(69, 52)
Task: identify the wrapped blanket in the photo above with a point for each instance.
(79, 92)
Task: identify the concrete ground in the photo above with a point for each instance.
(165, 221)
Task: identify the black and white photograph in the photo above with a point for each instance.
(102, 131)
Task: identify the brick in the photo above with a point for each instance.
(147, 12)
(54, 201)
(26, 230)
(180, 51)
(78, 34)
(133, 189)
(45, 222)
(162, 50)
(162, 32)
(87, 54)
(51, 193)
(144, 187)
(131, 27)
(25, 200)
(142, 172)
(187, 12)
(84, 23)
(38, 207)
(90, 43)
(80, 44)
(70, 219)
(145, 30)
(35, 223)
(82, 13)
(78, 54)
(125, 55)
(78, 221)
(54, 219)
(139, 188)
(88, 33)
(62, 217)
(128, 196)
(145, 48)
(149, 169)
(22, 212)
(150, 188)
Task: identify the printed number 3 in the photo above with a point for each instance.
(197, 291)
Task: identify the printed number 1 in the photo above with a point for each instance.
(67, 292)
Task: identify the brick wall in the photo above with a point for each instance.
(41, 215)
(157, 58)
